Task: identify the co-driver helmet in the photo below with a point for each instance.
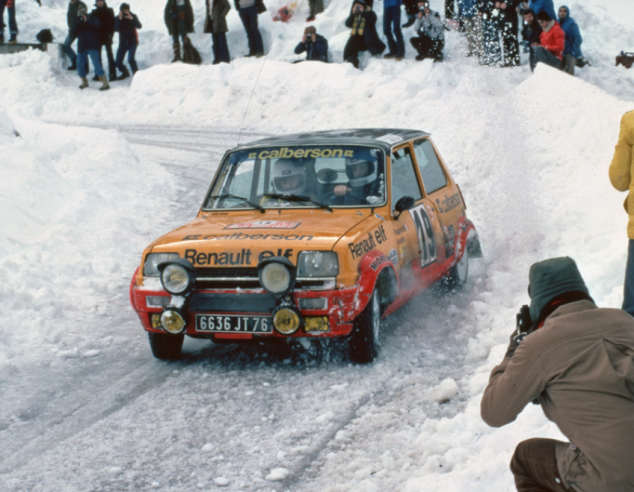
(361, 169)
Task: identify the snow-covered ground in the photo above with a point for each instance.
(93, 177)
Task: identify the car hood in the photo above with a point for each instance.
(243, 240)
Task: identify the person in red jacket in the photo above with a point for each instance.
(551, 42)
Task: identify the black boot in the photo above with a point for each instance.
(177, 51)
(73, 66)
(410, 21)
(124, 75)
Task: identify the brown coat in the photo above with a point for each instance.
(621, 166)
(580, 367)
(218, 18)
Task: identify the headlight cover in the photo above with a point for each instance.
(317, 264)
(276, 278)
(176, 279)
(150, 267)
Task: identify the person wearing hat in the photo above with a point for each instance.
(430, 41)
(363, 37)
(551, 42)
(87, 32)
(315, 45)
(576, 360)
(216, 25)
(126, 24)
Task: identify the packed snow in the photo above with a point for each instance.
(89, 178)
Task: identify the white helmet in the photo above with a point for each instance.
(289, 177)
(360, 170)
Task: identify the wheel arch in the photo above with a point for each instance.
(376, 271)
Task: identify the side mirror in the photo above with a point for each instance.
(404, 203)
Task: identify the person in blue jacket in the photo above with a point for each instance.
(126, 24)
(314, 45)
(87, 32)
(392, 19)
(541, 6)
(572, 49)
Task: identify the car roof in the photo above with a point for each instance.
(381, 137)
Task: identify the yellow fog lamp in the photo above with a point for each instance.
(177, 276)
(316, 324)
(286, 320)
(172, 321)
(277, 275)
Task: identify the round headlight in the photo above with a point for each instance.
(286, 320)
(176, 279)
(276, 278)
(172, 321)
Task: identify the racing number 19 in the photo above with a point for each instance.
(425, 233)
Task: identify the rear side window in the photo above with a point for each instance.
(404, 180)
(430, 169)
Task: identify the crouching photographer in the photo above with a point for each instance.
(314, 45)
(577, 361)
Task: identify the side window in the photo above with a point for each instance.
(430, 169)
(404, 180)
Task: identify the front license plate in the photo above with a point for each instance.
(224, 323)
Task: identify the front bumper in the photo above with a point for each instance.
(343, 306)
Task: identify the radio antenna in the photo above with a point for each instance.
(249, 103)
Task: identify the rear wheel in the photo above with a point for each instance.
(366, 334)
(459, 272)
(166, 347)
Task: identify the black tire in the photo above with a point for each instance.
(365, 341)
(166, 347)
(459, 272)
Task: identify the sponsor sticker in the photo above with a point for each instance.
(264, 224)
(377, 262)
(393, 256)
(314, 153)
(390, 138)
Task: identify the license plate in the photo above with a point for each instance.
(224, 323)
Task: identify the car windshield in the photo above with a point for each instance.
(299, 176)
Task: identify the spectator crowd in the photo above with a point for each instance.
(491, 27)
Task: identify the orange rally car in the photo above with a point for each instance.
(314, 235)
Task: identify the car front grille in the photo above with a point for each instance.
(247, 278)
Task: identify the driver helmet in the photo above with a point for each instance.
(361, 169)
(289, 177)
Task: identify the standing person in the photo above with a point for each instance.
(363, 37)
(572, 48)
(179, 19)
(216, 25)
(126, 24)
(509, 24)
(472, 25)
(621, 178)
(531, 33)
(13, 25)
(88, 44)
(315, 46)
(575, 361)
(316, 7)
(71, 19)
(248, 11)
(430, 41)
(106, 16)
(392, 20)
(551, 42)
(491, 16)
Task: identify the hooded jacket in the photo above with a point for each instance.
(553, 39)
(580, 368)
(621, 166)
(573, 36)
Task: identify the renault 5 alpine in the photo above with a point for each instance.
(316, 235)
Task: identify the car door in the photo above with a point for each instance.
(442, 192)
(416, 229)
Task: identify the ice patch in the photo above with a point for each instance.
(277, 474)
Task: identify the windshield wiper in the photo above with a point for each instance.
(236, 197)
(297, 198)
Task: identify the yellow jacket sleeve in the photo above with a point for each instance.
(621, 166)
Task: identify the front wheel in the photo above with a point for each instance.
(366, 334)
(166, 347)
